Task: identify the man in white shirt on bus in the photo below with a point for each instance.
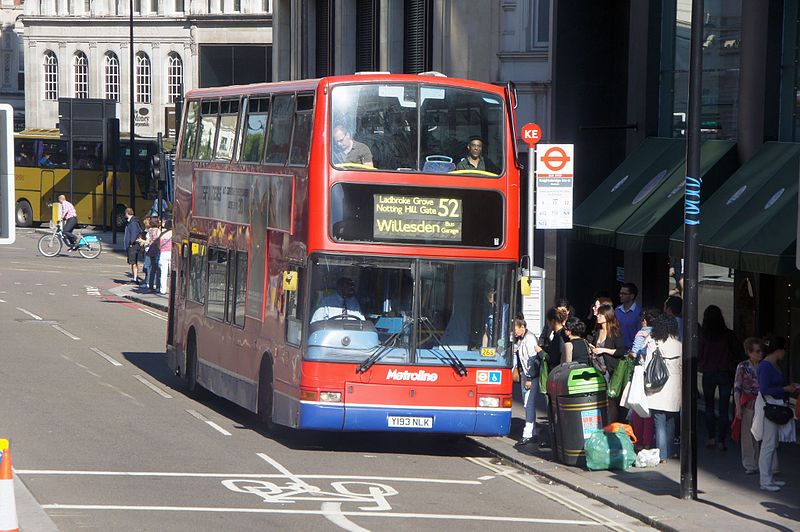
(341, 303)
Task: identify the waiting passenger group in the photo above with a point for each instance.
(611, 334)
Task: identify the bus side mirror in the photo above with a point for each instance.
(290, 281)
(525, 285)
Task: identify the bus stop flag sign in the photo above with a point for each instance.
(554, 182)
(531, 134)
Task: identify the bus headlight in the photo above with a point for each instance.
(330, 397)
(489, 402)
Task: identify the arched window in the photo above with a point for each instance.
(142, 78)
(112, 76)
(81, 70)
(174, 77)
(50, 76)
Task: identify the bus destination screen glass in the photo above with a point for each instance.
(397, 214)
(416, 218)
(413, 127)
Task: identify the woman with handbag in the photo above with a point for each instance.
(643, 427)
(607, 349)
(526, 372)
(774, 391)
(665, 402)
(745, 393)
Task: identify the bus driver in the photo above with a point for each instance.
(341, 303)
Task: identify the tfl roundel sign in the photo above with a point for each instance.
(531, 134)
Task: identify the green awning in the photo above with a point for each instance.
(650, 226)
(597, 219)
(750, 223)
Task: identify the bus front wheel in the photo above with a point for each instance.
(265, 393)
(24, 214)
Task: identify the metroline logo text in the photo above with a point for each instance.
(420, 375)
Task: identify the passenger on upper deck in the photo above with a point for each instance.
(341, 304)
(474, 159)
(350, 151)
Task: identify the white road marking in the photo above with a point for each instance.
(201, 417)
(333, 513)
(3, 301)
(128, 396)
(486, 477)
(277, 465)
(107, 357)
(57, 472)
(65, 332)
(92, 291)
(152, 386)
(395, 515)
(28, 293)
(152, 313)
(29, 313)
(17, 283)
(93, 374)
(514, 475)
(38, 284)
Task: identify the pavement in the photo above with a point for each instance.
(727, 499)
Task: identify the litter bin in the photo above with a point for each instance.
(577, 405)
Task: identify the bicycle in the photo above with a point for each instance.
(88, 246)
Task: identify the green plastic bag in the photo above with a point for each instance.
(620, 377)
(609, 450)
(544, 371)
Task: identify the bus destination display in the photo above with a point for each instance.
(417, 218)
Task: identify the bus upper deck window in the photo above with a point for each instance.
(255, 129)
(279, 133)
(208, 130)
(190, 130)
(226, 137)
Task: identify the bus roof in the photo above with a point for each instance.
(39, 133)
(312, 84)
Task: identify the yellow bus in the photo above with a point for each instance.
(41, 172)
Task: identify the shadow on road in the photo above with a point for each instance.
(155, 365)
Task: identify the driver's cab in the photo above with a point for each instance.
(356, 307)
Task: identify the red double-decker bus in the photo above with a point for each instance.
(347, 252)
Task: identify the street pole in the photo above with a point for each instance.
(132, 114)
(690, 253)
(531, 203)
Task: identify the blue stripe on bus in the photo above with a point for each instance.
(369, 418)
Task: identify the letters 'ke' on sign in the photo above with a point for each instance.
(531, 134)
(554, 180)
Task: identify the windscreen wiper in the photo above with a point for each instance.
(383, 348)
(449, 355)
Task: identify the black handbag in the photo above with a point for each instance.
(656, 373)
(778, 414)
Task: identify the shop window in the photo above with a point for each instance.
(722, 30)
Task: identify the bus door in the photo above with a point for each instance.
(48, 193)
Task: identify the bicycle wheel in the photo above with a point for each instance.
(49, 245)
(90, 250)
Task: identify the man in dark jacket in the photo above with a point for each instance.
(133, 230)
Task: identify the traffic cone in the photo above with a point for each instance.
(8, 506)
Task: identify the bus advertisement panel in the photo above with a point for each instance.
(348, 252)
